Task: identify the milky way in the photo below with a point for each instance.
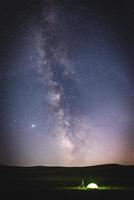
(62, 87)
(69, 89)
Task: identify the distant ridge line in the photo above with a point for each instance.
(56, 166)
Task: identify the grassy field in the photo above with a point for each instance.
(65, 181)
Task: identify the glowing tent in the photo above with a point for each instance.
(92, 186)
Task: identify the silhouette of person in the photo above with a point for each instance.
(82, 183)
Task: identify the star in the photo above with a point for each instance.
(33, 126)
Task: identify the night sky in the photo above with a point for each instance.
(66, 82)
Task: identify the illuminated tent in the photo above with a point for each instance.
(92, 186)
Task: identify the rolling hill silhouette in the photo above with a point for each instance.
(45, 179)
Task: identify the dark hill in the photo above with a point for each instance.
(53, 177)
(64, 182)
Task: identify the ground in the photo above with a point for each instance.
(114, 181)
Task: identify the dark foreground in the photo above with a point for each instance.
(114, 181)
(68, 195)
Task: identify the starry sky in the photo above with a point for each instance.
(66, 82)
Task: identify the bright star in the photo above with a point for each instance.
(33, 125)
